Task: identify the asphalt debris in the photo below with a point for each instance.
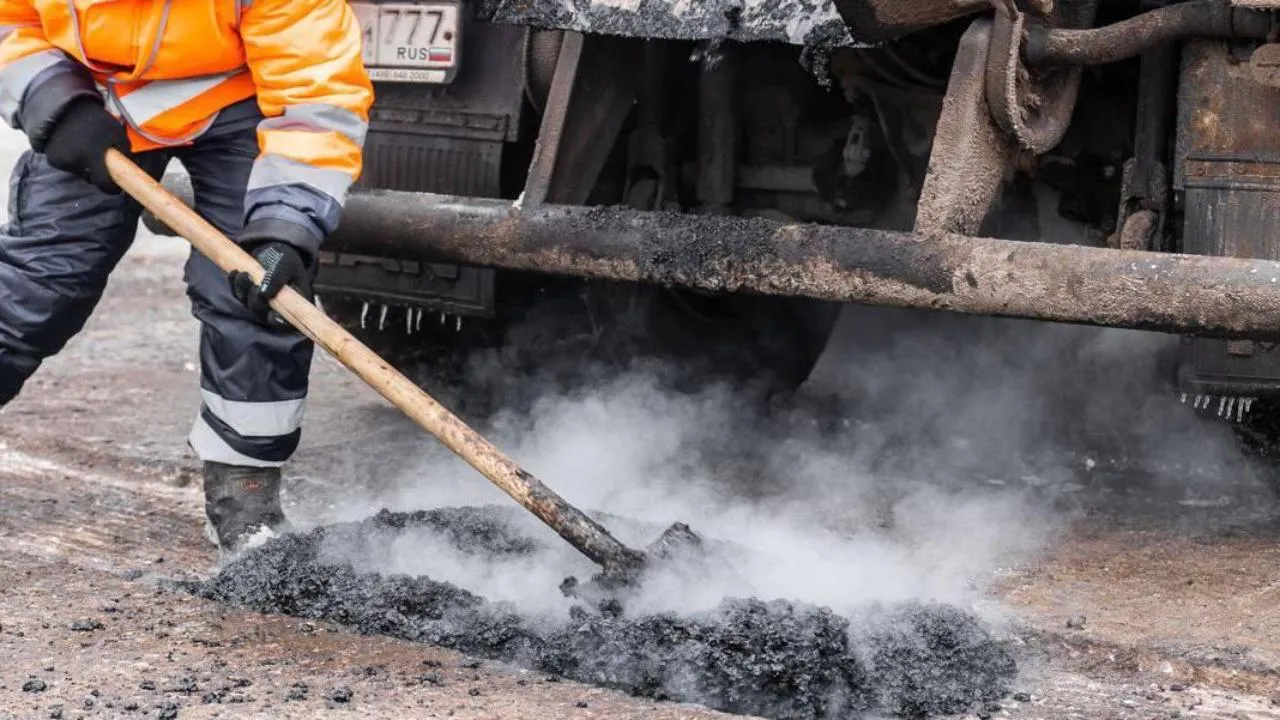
(771, 658)
(34, 685)
(914, 653)
(340, 695)
(86, 626)
(186, 685)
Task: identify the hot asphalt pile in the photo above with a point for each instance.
(776, 659)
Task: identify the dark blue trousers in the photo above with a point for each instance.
(63, 239)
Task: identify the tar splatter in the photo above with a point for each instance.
(815, 25)
(815, 55)
(776, 659)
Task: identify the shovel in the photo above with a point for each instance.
(621, 566)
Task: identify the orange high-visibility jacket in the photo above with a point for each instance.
(168, 67)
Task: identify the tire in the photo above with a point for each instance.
(764, 344)
(559, 329)
(769, 342)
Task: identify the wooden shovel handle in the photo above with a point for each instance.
(574, 526)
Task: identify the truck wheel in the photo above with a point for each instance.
(767, 343)
(558, 328)
(771, 341)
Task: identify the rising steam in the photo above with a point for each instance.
(925, 453)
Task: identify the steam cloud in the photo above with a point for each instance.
(925, 453)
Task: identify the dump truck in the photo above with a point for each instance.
(712, 180)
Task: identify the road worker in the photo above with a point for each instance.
(265, 103)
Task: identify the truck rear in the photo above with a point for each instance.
(711, 180)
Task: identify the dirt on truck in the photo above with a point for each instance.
(696, 194)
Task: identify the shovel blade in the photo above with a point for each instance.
(678, 552)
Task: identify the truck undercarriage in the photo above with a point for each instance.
(711, 180)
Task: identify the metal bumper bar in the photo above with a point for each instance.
(1209, 296)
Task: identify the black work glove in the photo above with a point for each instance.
(79, 141)
(284, 265)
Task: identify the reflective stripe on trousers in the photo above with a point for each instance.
(65, 237)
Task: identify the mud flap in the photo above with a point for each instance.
(424, 139)
(1230, 180)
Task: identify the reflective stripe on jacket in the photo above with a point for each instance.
(167, 67)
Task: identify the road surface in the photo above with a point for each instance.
(1142, 584)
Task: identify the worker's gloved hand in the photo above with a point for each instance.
(284, 265)
(79, 141)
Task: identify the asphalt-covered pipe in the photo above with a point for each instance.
(1131, 37)
(1211, 296)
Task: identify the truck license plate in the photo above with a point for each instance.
(410, 42)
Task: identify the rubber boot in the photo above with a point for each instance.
(241, 506)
